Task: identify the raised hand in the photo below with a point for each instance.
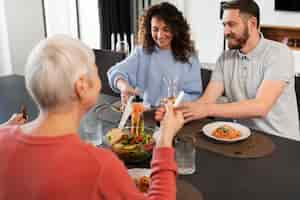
(126, 91)
(170, 125)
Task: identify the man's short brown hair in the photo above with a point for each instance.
(249, 7)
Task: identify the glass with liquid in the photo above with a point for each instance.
(171, 85)
(185, 155)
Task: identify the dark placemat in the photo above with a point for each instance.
(186, 191)
(256, 146)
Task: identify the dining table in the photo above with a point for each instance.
(272, 177)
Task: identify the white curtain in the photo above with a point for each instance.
(5, 59)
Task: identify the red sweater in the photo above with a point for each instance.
(64, 167)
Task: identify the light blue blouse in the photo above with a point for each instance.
(147, 71)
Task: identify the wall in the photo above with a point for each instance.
(207, 30)
(5, 62)
(89, 23)
(61, 17)
(270, 16)
(25, 29)
(206, 27)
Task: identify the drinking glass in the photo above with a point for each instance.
(92, 129)
(185, 155)
(171, 85)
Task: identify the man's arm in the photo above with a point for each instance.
(267, 95)
(213, 91)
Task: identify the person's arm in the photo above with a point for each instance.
(125, 70)
(266, 97)
(192, 82)
(115, 183)
(212, 92)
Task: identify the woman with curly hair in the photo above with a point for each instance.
(166, 52)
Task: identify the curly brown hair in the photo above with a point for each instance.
(182, 46)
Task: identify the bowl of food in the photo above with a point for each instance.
(130, 147)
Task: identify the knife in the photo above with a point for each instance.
(126, 113)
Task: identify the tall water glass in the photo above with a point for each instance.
(185, 155)
(92, 129)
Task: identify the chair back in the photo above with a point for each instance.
(297, 89)
(205, 76)
(104, 60)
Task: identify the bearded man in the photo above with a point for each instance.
(256, 74)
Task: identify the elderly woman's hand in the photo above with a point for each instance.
(170, 125)
(160, 113)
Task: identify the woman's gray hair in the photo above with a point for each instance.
(52, 68)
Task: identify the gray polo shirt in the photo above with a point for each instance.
(242, 75)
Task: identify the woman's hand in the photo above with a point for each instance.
(126, 91)
(170, 125)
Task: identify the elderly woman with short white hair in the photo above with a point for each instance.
(45, 158)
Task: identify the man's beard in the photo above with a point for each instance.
(240, 41)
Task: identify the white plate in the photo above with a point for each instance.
(209, 128)
(137, 173)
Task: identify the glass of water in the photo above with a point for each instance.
(185, 155)
(92, 129)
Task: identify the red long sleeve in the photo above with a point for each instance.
(63, 167)
(115, 183)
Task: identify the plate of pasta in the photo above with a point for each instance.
(141, 177)
(226, 131)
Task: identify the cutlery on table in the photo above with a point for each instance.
(126, 113)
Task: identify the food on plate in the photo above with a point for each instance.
(130, 147)
(114, 135)
(226, 132)
(142, 183)
(125, 141)
(134, 143)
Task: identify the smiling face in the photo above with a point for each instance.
(236, 29)
(161, 33)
